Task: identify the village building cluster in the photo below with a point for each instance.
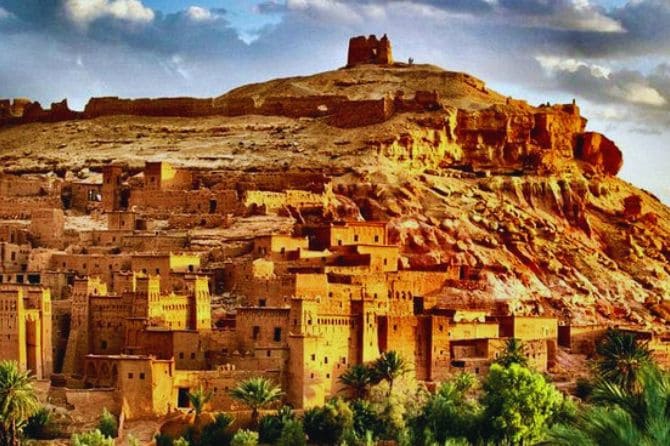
(136, 304)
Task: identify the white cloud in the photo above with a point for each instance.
(553, 64)
(200, 14)
(638, 93)
(4, 13)
(83, 12)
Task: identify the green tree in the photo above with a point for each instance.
(217, 433)
(270, 426)
(389, 367)
(18, 401)
(517, 404)
(449, 415)
(326, 425)
(356, 380)
(366, 419)
(199, 399)
(107, 424)
(620, 357)
(245, 437)
(514, 353)
(292, 434)
(256, 393)
(622, 416)
(92, 438)
(181, 441)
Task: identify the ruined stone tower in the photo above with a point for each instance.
(369, 50)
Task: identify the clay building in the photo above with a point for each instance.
(25, 328)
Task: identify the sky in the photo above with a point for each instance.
(613, 56)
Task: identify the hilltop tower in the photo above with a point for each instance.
(370, 50)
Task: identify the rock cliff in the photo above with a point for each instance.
(522, 200)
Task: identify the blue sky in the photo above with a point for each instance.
(613, 56)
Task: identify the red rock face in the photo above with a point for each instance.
(632, 207)
(599, 151)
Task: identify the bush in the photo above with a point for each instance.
(366, 419)
(92, 438)
(181, 441)
(107, 424)
(326, 425)
(270, 426)
(163, 440)
(217, 433)
(38, 426)
(292, 434)
(245, 438)
(584, 389)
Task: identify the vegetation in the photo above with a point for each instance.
(326, 425)
(199, 399)
(39, 425)
(256, 393)
(271, 427)
(621, 356)
(292, 434)
(518, 404)
(514, 353)
(624, 415)
(245, 437)
(356, 379)
(107, 424)
(18, 401)
(389, 367)
(217, 433)
(92, 438)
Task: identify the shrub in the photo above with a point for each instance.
(92, 438)
(163, 440)
(327, 424)
(292, 434)
(181, 441)
(38, 426)
(107, 424)
(270, 426)
(245, 437)
(217, 433)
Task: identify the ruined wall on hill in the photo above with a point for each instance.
(149, 107)
(361, 113)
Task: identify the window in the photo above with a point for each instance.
(313, 357)
(277, 334)
(356, 237)
(181, 355)
(268, 353)
(192, 355)
(130, 375)
(262, 302)
(103, 345)
(255, 332)
(325, 359)
(141, 375)
(376, 239)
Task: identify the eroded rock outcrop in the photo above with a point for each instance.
(600, 152)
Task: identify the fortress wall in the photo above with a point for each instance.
(305, 106)
(149, 107)
(185, 201)
(189, 221)
(23, 208)
(361, 113)
(26, 186)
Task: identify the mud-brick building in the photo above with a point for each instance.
(25, 328)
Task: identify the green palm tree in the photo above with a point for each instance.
(621, 356)
(256, 393)
(199, 398)
(356, 379)
(389, 367)
(623, 416)
(18, 401)
(514, 353)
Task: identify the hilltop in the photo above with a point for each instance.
(523, 195)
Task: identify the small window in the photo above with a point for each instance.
(192, 355)
(181, 355)
(277, 334)
(313, 357)
(325, 359)
(103, 345)
(130, 376)
(356, 237)
(268, 353)
(262, 302)
(255, 332)
(141, 375)
(376, 239)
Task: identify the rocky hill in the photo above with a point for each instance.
(523, 195)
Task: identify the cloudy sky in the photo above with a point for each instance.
(612, 55)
